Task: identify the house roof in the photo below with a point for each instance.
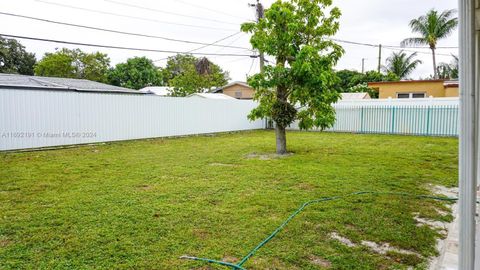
(60, 84)
(407, 81)
(211, 96)
(231, 84)
(157, 90)
(351, 96)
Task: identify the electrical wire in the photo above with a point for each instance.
(118, 31)
(119, 47)
(132, 17)
(252, 252)
(211, 44)
(168, 12)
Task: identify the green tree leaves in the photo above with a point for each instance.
(187, 74)
(75, 63)
(136, 73)
(14, 58)
(401, 64)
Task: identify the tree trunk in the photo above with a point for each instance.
(435, 74)
(281, 139)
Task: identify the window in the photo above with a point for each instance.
(418, 95)
(411, 95)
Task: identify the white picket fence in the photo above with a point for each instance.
(33, 118)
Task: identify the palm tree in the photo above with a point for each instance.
(401, 64)
(432, 27)
(448, 70)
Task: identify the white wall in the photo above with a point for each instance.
(33, 118)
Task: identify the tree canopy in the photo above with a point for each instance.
(187, 74)
(432, 27)
(136, 73)
(448, 70)
(295, 33)
(14, 58)
(75, 63)
(349, 81)
(401, 64)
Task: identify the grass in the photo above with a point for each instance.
(143, 204)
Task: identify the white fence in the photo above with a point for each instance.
(430, 117)
(33, 118)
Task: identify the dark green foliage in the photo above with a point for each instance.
(136, 73)
(188, 74)
(77, 64)
(14, 58)
(401, 64)
(349, 81)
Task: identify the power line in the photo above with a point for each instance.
(386, 46)
(133, 17)
(168, 12)
(211, 44)
(119, 47)
(119, 32)
(209, 9)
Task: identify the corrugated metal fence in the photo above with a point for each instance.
(34, 118)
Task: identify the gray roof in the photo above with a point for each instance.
(62, 84)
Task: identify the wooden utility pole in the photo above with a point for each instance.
(379, 57)
(260, 12)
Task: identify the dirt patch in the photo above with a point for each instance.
(267, 156)
(201, 234)
(4, 241)
(306, 186)
(434, 224)
(145, 187)
(230, 259)
(319, 261)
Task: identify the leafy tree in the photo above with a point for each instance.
(352, 81)
(432, 27)
(294, 32)
(401, 64)
(448, 70)
(136, 73)
(14, 58)
(75, 63)
(188, 74)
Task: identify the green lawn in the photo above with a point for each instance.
(143, 204)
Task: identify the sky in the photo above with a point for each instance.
(207, 21)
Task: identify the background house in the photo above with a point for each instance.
(416, 88)
(238, 90)
(354, 96)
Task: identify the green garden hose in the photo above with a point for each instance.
(298, 211)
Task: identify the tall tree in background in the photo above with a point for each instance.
(432, 27)
(75, 63)
(401, 64)
(295, 33)
(136, 73)
(448, 70)
(187, 74)
(14, 58)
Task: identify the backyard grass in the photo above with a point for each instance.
(143, 204)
